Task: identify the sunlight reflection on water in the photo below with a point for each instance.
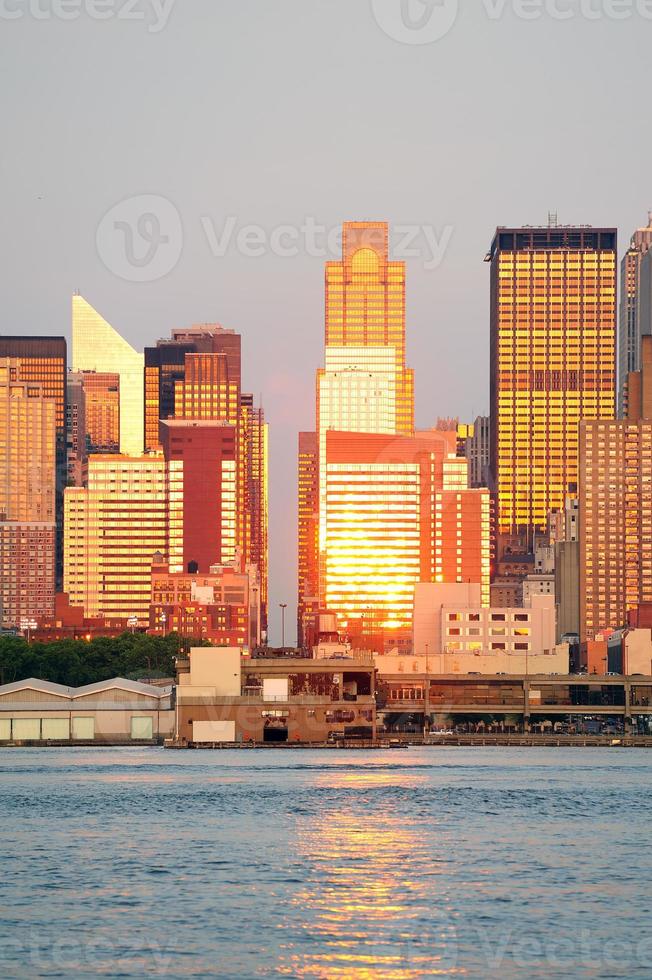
(321, 864)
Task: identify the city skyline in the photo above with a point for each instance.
(420, 145)
(342, 306)
(181, 334)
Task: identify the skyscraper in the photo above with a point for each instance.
(201, 458)
(308, 534)
(399, 511)
(364, 385)
(553, 321)
(28, 466)
(635, 313)
(76, 429)
(394, 506)
(96, 346)
(113, 528)
(42, 361)
(477, 451)
(93, 419)
(197, 376)
(616, 508)
(365, 306)
(165, 365)
(253, 465)
(102, 410)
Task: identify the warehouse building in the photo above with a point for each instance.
(113, 712)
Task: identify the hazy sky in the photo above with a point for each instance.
(272, 113)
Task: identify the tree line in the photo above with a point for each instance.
(78, 662)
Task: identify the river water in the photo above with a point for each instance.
(399, 864)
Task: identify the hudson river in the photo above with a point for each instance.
(484, 862)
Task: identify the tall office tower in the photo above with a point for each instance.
(43, 360)
(398, 511)
(76, 429)
(476, 451)
(253, 441)
(196, 376)
(96, 346)
(102, 397)
(394, 508)
(364, 385)
(553, 322)
(28, 469)
(165, 365)
(365, 306)
(93, 415)
(308, 537)
(207, 391)
(201, 458)
(616, 508)
(113, 528)
(635, 318)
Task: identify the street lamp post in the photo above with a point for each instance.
(283, 606)
(426, 706)
(163, 618)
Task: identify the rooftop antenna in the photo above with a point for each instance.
(553, 219)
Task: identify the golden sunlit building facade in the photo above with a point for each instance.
(28, 470)
(616, 509)
(394, 507)
(209, 390)
(253, 464)
(553, 332)
(102, 411)
(399, 511)
(365, 305)
(308, 535)
(364, 386)
(112, 529)
(96, 346)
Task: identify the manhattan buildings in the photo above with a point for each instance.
(42, 360)
(96, 346)
(196, 376)
(398, 511)
(308, 550)
(380, 507)
(29, 419)
(616, 508)
(194, 489)
(553, 330)
(635, 308)
(112, 529)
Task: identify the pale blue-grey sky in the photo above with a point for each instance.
(271, 112)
